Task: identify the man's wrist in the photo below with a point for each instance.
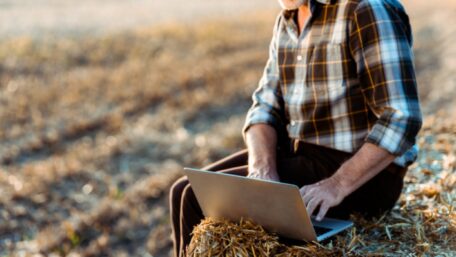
(268, 173)
(262, 169)
(344, 180)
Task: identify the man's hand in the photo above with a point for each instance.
(326, 194)
(264, 174)
(361, 167)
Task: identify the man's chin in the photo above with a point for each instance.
(291, 4)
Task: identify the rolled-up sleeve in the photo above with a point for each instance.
(381, 44)
(268, 104)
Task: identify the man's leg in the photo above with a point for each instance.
(378, 195)
(235, 160)
(191, 213)
(315, 163)
(309, 165)
(177, 195)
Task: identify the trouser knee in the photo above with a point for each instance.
(176, 191)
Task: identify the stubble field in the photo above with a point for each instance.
(94, 130)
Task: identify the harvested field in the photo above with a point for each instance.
(94, 130)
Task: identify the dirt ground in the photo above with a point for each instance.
(98, 114)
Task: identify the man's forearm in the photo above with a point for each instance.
(364, 165)
(361, 167)
(261, 141)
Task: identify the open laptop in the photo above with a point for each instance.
(276, 206)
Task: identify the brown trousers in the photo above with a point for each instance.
(306, 165)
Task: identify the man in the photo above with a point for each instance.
(336, 111)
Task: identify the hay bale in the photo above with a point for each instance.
(220, 237)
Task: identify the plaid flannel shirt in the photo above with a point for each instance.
(348, 78)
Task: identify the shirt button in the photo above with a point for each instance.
(299, 57)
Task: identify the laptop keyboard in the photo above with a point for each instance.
(321, 230)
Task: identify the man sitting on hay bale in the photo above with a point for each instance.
(336, 112)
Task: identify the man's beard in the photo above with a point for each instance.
(291, 4)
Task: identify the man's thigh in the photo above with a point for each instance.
(302, 170)
(296, 170)
(240, 171)
(315, 163)
(233, 164)
(234, 160)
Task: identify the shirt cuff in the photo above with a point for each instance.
(390, 138)
(261, 116)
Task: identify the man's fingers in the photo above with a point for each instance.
(254, 175)
(310, 193)
(251, 175)
(312, 205)
(262, 176)
(323, 210)
(303, 190)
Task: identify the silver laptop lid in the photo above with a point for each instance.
(281, 209)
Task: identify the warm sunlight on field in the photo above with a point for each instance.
(94, 129)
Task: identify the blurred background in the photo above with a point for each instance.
(103, 101)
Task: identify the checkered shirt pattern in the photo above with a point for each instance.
(348, 78)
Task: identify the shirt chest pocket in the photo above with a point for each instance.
(328, 67)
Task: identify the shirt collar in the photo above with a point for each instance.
(289, 13)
